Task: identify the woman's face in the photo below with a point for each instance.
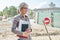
(24, 10)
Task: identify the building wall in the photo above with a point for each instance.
(47, 13)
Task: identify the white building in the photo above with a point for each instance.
(53, 13)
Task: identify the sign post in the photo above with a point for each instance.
(46, 21)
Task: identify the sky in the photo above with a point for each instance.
(32, 3)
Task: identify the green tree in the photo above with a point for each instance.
(31, 14)
(13, 11)
(9, 12)
(5, 12)
(1, 13)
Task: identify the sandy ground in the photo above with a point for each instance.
(38, 32)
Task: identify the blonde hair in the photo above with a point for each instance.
(23, 4)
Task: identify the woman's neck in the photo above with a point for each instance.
(23, 15)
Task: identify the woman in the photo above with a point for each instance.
(22, 18)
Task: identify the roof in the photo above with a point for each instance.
(55, 8)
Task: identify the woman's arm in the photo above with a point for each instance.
(14, 26)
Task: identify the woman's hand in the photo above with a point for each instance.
(25, 34)
(28, 30)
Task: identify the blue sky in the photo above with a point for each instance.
(32, 3)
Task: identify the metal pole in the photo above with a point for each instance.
(47, 31)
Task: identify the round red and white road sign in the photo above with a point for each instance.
(46, 20)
